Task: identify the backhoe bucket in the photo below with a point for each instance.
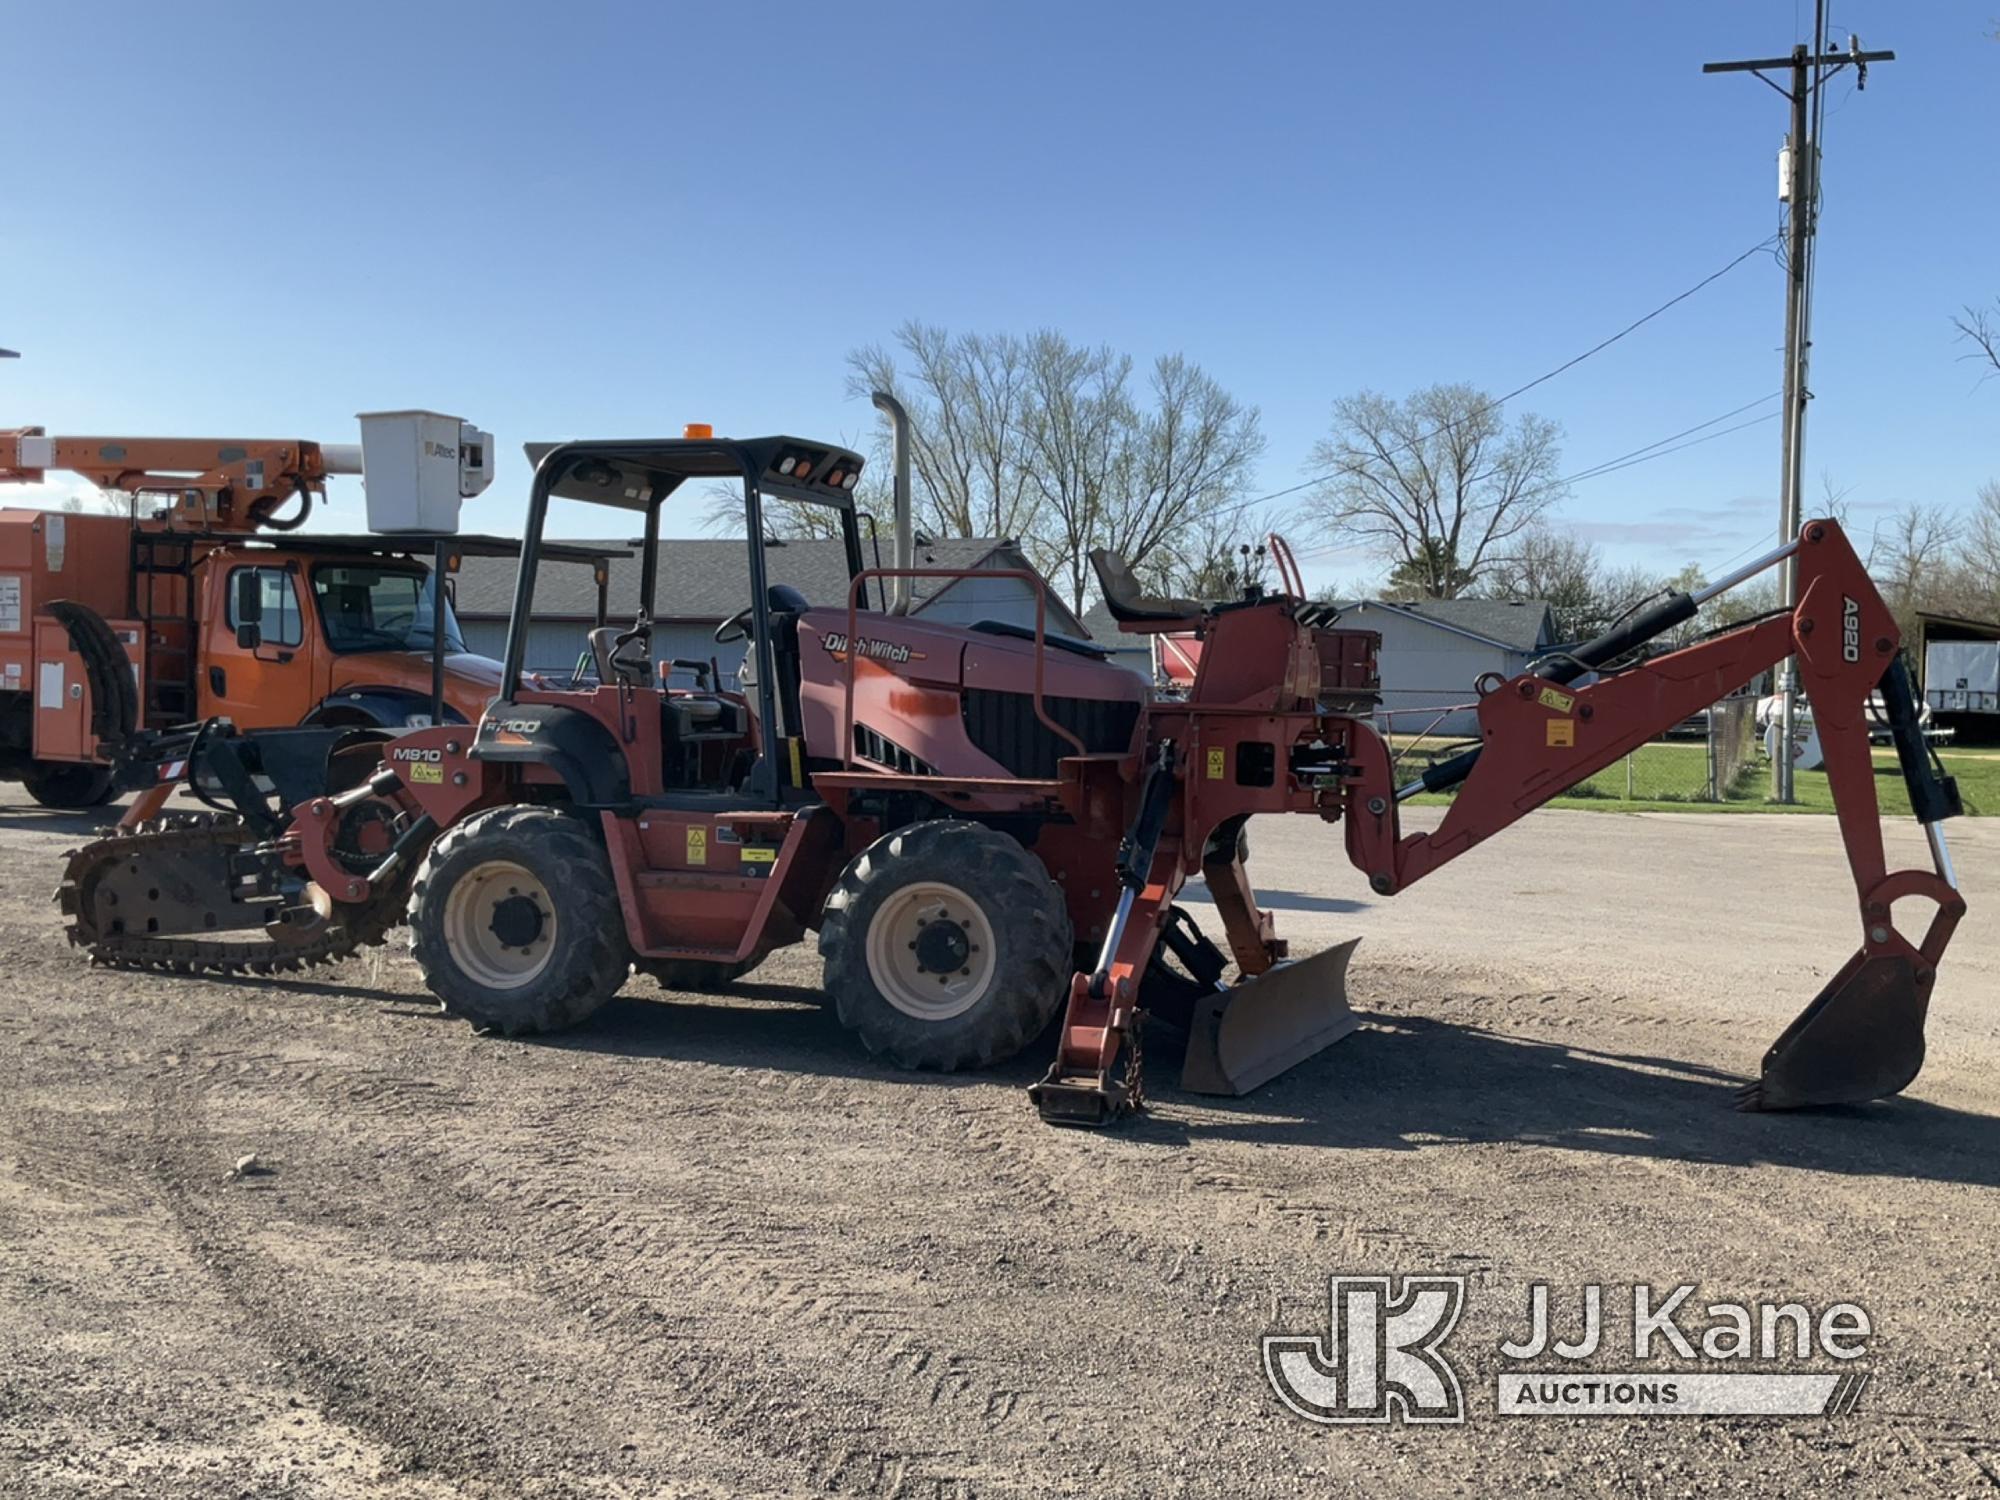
(1861, 1038)
(1253, 1031)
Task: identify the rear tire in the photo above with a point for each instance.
(516, 924)
(947, 946)
(69, 786)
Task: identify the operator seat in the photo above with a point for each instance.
(787, 604)
(1125, 597)
(623, 657)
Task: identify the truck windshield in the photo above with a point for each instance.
(363, 607)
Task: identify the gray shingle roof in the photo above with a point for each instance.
(1518, 624)
(1099, 625)
(703, 579)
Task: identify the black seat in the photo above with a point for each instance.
(786, 605)
(1027, 633)
(1126, 598)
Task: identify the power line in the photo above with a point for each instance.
(1615, 465)
(1519, 390)
(1619, 461)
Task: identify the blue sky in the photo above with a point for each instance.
(598, 220)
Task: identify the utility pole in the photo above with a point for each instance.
(1798, 187)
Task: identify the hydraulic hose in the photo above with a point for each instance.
(1933, 795)
(1566, 667)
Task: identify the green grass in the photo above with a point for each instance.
(1668, 777)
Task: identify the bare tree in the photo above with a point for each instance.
(1979, 327)
(1044, 442)
(967, 396)
(1216, 555)
(1438, 484)
(1911, 548)
(1981, 551)
(1833, 503)
(1556, 567)
(1078, 442)
(1195, 452)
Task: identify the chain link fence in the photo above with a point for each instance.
(1712, 757)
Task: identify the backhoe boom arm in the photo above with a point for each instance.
(1540, 736)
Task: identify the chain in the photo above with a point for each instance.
(1135, 1060)
(178, 834)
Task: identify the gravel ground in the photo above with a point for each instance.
(706, 1247)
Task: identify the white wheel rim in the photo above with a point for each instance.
(500, 925)
(931, 951)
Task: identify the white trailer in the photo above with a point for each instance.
(1962, 677)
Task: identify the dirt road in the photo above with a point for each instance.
(705, 1247)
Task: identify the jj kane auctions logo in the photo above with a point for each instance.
(1382, 1358)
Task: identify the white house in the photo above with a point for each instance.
(1435, 650)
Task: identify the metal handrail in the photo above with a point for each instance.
(1034, 581)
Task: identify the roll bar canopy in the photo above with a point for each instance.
(638, 474)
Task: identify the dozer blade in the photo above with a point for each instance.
(1861, 1038)
(1253, 1031)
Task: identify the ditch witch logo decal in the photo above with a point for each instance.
(835, 643)
(1383, 1360)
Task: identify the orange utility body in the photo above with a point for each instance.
(163, 585)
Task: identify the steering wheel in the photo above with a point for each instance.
(782, 599)
(736, 627)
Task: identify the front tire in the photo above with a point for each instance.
(947, 946)
(68, 786)
(516, 924)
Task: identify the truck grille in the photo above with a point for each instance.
(1004, 726)
(870, 745)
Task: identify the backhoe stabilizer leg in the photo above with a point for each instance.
(1101, 1019)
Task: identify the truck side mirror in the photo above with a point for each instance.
(249, 610)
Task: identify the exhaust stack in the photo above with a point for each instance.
(906, 536)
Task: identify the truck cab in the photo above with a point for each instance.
(334, 631)
(330, 638)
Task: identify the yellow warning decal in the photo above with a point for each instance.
(755, 856)
(1218, 760)
(1562, 703)
(1562, 733)
(798, 770)
(432, 774)
(697, 846)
